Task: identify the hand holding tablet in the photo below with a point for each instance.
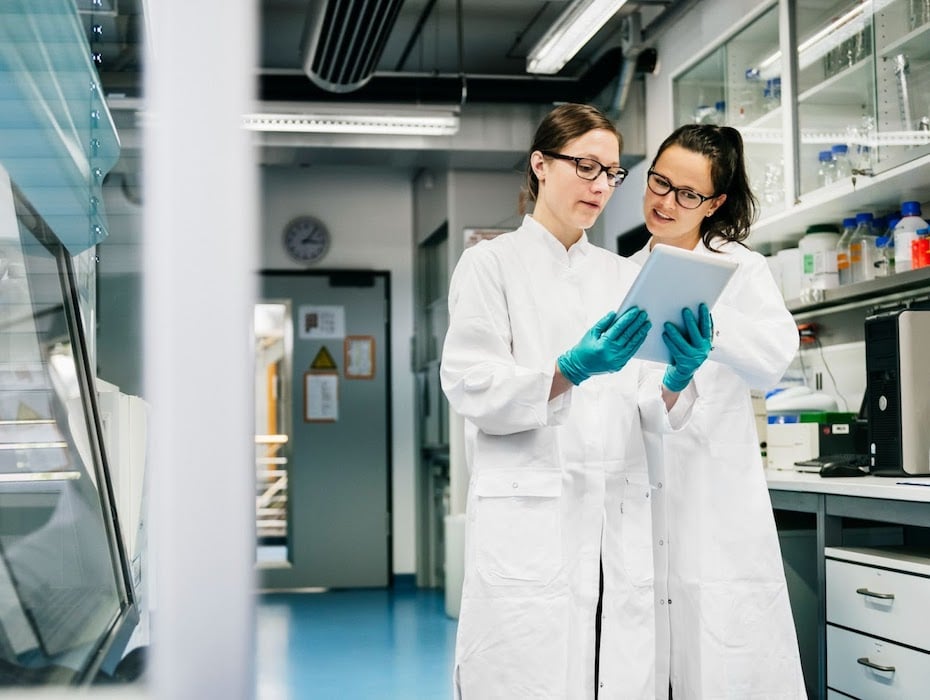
(673, 279)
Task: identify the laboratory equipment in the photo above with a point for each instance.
(897, 377)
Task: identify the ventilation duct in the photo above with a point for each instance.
(344, 39)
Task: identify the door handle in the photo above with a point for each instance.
(877, 667)
(871, 594)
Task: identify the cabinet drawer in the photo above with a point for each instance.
(848, 654)
(888, 604)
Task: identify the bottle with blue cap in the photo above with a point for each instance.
(826, 173)
(905, 232)
(862, 247)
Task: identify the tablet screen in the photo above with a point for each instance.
(671, 280)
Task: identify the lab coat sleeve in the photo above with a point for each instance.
(754, 333)
(653, 414)
(479, 374)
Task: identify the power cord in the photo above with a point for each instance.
(808, 335)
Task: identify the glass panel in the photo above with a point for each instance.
(59, 573)
(902, 47)
(739, 84)
(836, 92)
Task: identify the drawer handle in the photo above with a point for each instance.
(878, 667)
(883, 596)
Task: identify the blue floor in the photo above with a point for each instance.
(355, 645)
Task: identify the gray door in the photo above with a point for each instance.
(338, 480)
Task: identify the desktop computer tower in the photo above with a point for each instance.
(898, 387)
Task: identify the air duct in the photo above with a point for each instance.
(344, 39)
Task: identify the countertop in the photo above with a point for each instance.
(914, 488)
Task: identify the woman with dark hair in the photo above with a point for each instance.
(558, 555)
(725, 628)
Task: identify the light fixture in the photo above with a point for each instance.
(398, 123)
(819, 44)
(580, 21)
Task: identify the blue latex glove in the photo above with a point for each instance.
(607, 347)
(688, 350)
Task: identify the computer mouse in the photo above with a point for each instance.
(842, 469)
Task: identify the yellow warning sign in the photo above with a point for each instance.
(323, 360)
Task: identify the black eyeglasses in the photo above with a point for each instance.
(689, 199)
(590, 169)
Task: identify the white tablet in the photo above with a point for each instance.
(670, 280)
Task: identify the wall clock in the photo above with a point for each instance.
(306, 239)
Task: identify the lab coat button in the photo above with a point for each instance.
(515, 484)
(661, 542)
(660, 484)
(662, 601)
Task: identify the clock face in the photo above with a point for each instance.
(306, 239)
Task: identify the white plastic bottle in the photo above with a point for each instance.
(861, 247)
(905, 232)
(842, 251)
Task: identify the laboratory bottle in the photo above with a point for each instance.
(884, 264)
(862, 248)
(905, 232)
(842, 251)
(826, 173)
(920, 248)
(842, 168)
(818, 257)
(889, 252)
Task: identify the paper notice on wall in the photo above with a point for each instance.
(321, 322)
(321, 397)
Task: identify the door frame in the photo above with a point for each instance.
(356, 277)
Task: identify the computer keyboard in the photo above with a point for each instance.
(846, 459)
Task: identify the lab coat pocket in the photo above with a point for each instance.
(636, 529)
(518, 526)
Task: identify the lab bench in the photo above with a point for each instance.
(857, 560)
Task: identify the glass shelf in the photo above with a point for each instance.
(916, 44)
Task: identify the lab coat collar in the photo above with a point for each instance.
(580, 247)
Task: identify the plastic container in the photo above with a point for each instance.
(905, 232)
(818, 257)
(844, 272)
(862, 249)
(920, 249)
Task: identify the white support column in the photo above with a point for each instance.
(200, 233)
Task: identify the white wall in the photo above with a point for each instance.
(369, 213)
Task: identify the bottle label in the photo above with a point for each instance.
(842, 261)
(855, 253)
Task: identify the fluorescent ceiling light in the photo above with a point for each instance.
(822, 42)
(580, 21)
(410, 123)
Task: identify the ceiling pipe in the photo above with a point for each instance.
(447, 88)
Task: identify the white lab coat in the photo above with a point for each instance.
(555, 486)
(725, 628)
